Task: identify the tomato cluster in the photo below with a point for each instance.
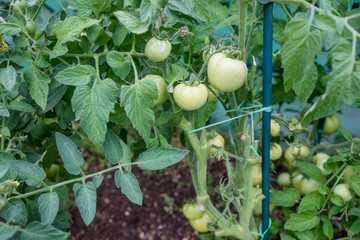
(197, 219)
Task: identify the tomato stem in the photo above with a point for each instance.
(134, 67)
(38, 10)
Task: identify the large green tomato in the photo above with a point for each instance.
(157, 50)
(226, 74)
(343, 191)
(161, 86)
(190, 97)
(308, 185)
(275, 151)
(256, 174)
(331, 125)
(296, 180)
(20, 4)
(292, 152)
(284, 179)
(30, 27)
(275, 128)
(192, 211)
(200, 224)
(320, 159)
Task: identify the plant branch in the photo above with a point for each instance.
(38, 10)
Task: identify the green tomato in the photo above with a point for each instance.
(53, 171)
(308, 185)
(275, 151)
(292, 152)
(217, 141)
(200, 224)
(344, 192)
(226, 74)
(20, 4)
(190, 97)
(275, 128)
(192, 211)
(296, 180)
(256, 175)
(30, 27)
(284, 179)
(331, 125)
(157, 50)
(161, 86)
(258, 208)
(348, 173)
(320, 159)
(212, 96)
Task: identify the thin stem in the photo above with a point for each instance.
(134, 67)
(286, 11)
(133, 43)
(3, 119)
(38, 10)
(254, 21)
(242, 27)
(62, 7)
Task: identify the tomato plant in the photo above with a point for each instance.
(190, 97)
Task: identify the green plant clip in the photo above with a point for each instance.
(262, 234)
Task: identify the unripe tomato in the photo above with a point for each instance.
(207, 41)
(161, 86)
(157, 50)
(308, 185)
(200, 224)
(256, 174)
(275, 128)
(192, 211)
(30, 27)
(212, 96)
(190, 97)
(53, 171)
(217, 141)
(20, 4)
(331, 125)
(296, 181)
(344, 192)
(348, 173)
(320, 159)
(284, 179)
(258, 208)
(226, 74)
(292, 151)
(275, 151)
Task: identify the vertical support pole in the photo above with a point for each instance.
(267, 80)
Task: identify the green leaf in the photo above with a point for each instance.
(81, 7)
(86, 200)
(93, 106)
(69, 153)
(3, 111)
(203, 114)
(129, 186)
(300, 72)
(306, 235)
(31, 173)
(355, 184)
(10, 29)
(177, 10)
(15, 211)
(5, 160)
(76, 76)
(302, 221)
(342, 84)
(334, 210)
(99, 7)
(5, 131)
(354, 212)
(328, 228)
(324, 190)
(310, 170)
(138, 100)
(61, 221)
(42, 231)
(58, 51)
(7, 231)
(169, 118)
(69, 30)
(337, 200)
(48, 207)
(311, 202)
(119, 63)
(112, 147)
(8, 77)
(159, 158)
(176, 73)
(149, 9)
(38, 85)
(355, 227)
(3, 170)
(56, 92)
(287, 198)
(347, 135)
(132, 22)
(119, 35)
(332, 27)
(97, 180)
(97, 35)
(20, 106)
(284, 236)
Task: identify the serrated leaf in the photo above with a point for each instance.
(3, 170)
(42, 231)
(311, 170)
(86, 201)
(328, 228)
(8, 77)
(69, 30)
(5, 160)
(69, 153)
(302, 222)
(60, 221)
(159, 158)
(97, 180)
(287, 198)
(331, 25)
(38, 85)
(31, 173)
(311, 202)
(112, 147)
(7, 231)
(119, 63)
(119, 35)
(334, 210)
(138, 100)
(56, 92)
(149, 9)
(129, 186)
(176, 73)
(3, 111)
(76, 76)
(337, 200)
(132, 22)
(81, 7)
(15, 211)
(306, 235)
(99, 7)
(177, 10)
(20, 106)
(347, 135)
(324, 190)
(48, 207)
(355, 184)
(354, 212)
(93, 106)
(355, 227)
(342, 84)
(58, 51)
(10, 29)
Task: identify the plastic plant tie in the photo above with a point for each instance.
(262, 234)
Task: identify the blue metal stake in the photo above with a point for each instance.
(267, 80)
